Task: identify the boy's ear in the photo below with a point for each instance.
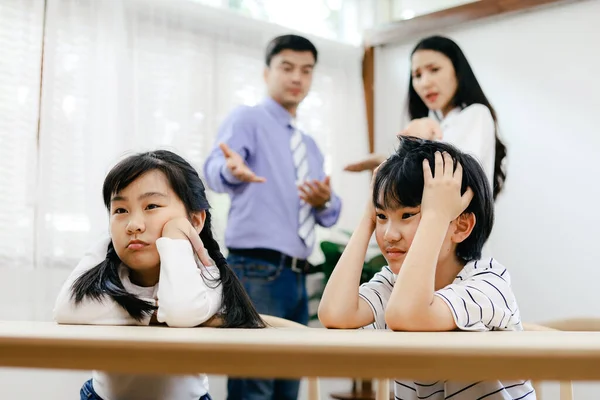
(464, 226)
(198, 219)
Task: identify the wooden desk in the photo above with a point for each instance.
(303, 352)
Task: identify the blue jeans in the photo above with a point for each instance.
(87, 393)
(274, 290)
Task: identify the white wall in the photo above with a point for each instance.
(541, 71)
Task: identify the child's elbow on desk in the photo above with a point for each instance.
(62, 316)
(66, 312)
(332, 318)
(328, 318)
(88, 313)
(332, 322)
(186, 314)
(182, 319)
(400, 320)
(430, 319)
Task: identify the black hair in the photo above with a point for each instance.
(289, 42)
(104, 279)
(399, 182)
(468, 92)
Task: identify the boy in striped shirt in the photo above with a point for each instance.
(432, 211)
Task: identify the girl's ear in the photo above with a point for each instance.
(464, 225)
(198, 219)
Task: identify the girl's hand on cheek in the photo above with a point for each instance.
(181, 228)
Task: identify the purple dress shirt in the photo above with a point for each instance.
(265, 215)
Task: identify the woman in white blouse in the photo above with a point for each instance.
(445, 102)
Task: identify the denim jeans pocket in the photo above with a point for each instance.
(255, 269)
(265, 271)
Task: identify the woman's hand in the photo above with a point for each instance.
(424, 128)
(369, 163)
(181, 228)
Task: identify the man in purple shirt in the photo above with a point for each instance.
(278, 189)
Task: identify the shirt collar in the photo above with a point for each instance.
(146, 292)
(280, 114)
(439, 116)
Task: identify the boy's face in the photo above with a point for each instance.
(395, 230)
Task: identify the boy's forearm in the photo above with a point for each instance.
(414, 289)
(340, 298)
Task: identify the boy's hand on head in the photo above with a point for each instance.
(375, 171)
(424, 128)
(181, 228)
(315, 192)
(370, 206)
(441, 191)
(237, 166)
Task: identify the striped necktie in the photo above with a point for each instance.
(306, 219)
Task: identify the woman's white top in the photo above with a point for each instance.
(187, 295)
(473, 131)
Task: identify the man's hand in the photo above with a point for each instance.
(315, 192)
(237, 166)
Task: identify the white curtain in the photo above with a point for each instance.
(21, 25)
(129, 75)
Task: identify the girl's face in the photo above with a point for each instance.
(434, 79)
(138, 214)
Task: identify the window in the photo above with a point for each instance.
(131, 78)
(332, 19)
(20, 62)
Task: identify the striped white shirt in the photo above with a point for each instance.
(481, 299)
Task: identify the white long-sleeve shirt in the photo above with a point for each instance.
(473, 131)
(187, 296)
